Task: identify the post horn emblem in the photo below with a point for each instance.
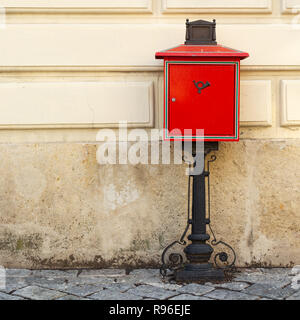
(203, 85)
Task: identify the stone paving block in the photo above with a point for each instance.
(17, 273)
(64, 284)
(71, 297)
(269, 291)
(114, 295)
(145, 273)
(164, 285)
(295, 271)
(278, 279)
(122, 287)
(235, 286)
(222, 294)
(59, 284)
(295, 296)
(250, 277)
(189, 297)
(12, 284)
(153, 278)
(139, 280)
(93, 280)
(282, 271)
(197, 289)
(147, 291)
(143, 276)
(4, 296)
(54, 273)
(103, 273)
(38, 293)
(83, 290)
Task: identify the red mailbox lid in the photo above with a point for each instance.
(201, 51)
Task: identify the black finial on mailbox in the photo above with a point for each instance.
(200, 32)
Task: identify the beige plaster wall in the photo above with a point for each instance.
(60, 208)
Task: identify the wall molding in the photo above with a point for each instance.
(217, 6)
(71, 104)
(256, 103)
(62, 69)
(290, 97)
(290, 6)
(77, 6)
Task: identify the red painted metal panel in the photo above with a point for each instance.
(202, 51)
(213, 108)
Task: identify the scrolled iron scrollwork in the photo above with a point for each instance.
(173, 261)
(223, 256)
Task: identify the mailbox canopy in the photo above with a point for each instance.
(202, 87)
(201, 51)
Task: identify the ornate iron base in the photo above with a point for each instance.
(202, 272)
(199, 251)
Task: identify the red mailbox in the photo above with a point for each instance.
(202, 81)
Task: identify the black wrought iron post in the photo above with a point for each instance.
(198, 253)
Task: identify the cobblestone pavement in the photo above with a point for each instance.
(145, 284)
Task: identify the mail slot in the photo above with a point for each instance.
(202, 87)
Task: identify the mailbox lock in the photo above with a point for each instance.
(173, 99)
